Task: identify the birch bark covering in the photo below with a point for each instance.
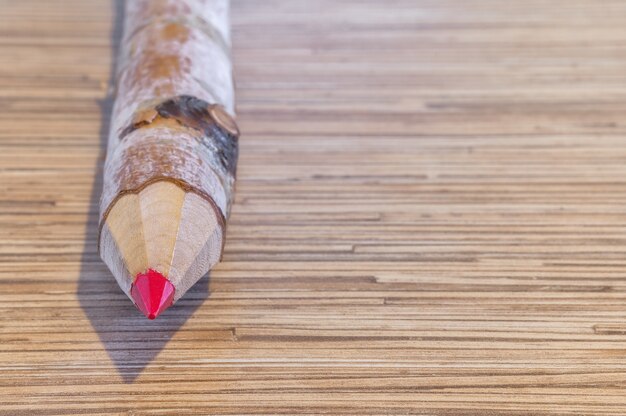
(174, 102)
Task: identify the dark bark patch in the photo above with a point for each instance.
(220, 133)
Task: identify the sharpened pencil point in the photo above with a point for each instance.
(152, 293)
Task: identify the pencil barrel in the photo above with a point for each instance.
(172, 117)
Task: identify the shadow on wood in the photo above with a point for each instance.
(131, 340)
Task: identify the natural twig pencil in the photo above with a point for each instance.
(172, 151)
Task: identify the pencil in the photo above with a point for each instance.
(172, 151)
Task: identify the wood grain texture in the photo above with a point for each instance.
(429, 217)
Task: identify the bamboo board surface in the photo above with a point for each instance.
(429, 219)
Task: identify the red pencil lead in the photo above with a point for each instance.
(152, 293)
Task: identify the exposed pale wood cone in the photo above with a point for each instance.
(162, 228)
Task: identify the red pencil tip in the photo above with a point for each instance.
(152, 293)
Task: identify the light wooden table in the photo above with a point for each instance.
(430, 217)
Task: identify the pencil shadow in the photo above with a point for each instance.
(131, 340)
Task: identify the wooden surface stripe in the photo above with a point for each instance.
(429, 218)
